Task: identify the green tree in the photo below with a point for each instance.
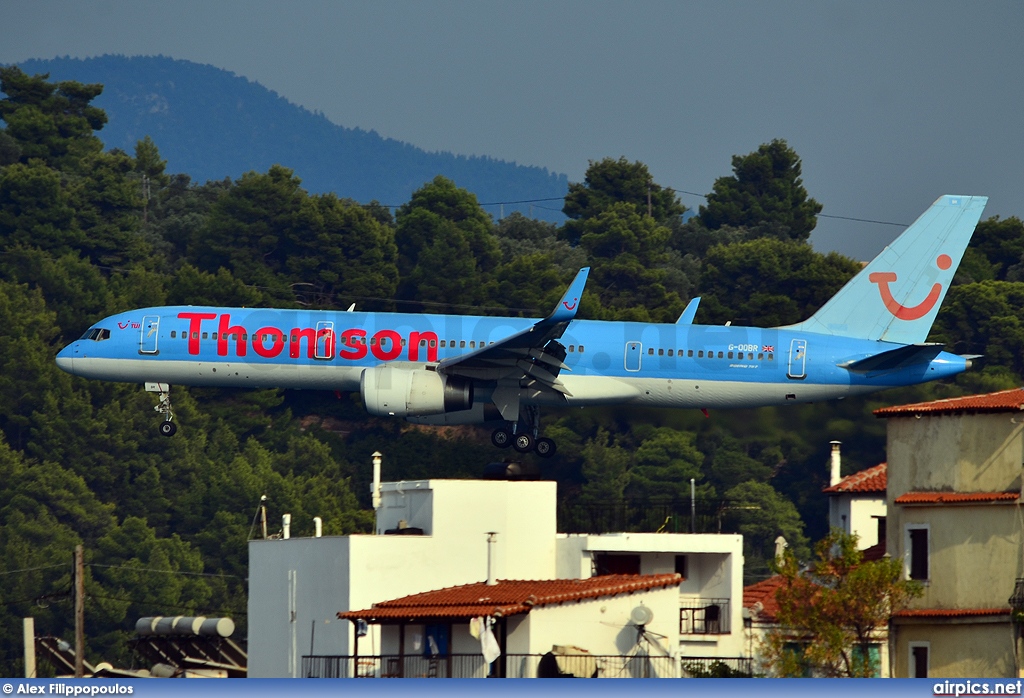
(50, 121)
(834, 610)
(765, 191)
(608, 182)
(761, 514)
(768, 283)
(447, 250)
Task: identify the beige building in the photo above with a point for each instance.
(955, 519)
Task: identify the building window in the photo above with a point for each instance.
(606, 563)
(868, 657)
(917, 552)
(681, 566)
(881, 528)
(918, 668)
(704, 617)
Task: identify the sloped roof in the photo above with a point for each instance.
(875, 552)
(1002, 401)
(509, 597)
(950, 612)
(957, 497)
(763, 593)
(866, 481)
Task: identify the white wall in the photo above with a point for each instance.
(861, 512)
(345, 573)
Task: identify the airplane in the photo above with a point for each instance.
(454, 369)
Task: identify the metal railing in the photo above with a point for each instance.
(704, 617)
(643, 515)
(469, 666)
(717, 667)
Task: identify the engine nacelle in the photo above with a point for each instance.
(397, 392)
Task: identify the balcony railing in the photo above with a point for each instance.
(640, 515)
(470, 666)
(717, 667)
(704, 617)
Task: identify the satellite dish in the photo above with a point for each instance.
(641, 615)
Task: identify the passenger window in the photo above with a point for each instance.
(443, 345)
(689, 353)
(720, 355)
(472, 344)
(195, 335)
(771, 357)
(462, 344)
(205, 335)
(670, 352)
(215, 336)
(174, 335)
(572, 348)
(581, 348)
(245, 337)
(661, 352)
(760, 356)
(750, 356)
(730, 354)
(700, 354)
(650, 352)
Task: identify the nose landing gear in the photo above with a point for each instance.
(167, 427)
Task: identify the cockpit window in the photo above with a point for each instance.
(96, 333)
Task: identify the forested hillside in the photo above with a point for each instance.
(212, 124)
(86, 232)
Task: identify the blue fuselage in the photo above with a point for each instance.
(666, 365)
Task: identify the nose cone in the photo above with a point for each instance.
(65, 360)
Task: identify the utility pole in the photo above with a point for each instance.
(79, 612)
(650, 208)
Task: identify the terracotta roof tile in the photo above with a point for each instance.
(509, 597)
(950, 612)
(763, 593)
(870, 480)
(956, 497)
(1002, 401)
(875, 552)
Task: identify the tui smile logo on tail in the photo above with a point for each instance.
(575, 302)
(914, 312)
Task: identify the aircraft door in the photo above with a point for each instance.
(148, 334)
(325, 340)
(797, 359)
(634, 350)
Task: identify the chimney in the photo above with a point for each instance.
(286, 526)
(834, 477)
(491, 538)
(375, 487)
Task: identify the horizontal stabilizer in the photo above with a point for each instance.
(895, 358)
(688, 314)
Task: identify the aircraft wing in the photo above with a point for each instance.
(531, 355)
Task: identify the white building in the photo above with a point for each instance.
(432, 534)
(856, 503)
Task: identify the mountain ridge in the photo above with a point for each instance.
(210, 123)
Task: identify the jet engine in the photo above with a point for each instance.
(396, 392)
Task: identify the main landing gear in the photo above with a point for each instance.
(167, 427)
(522, 435)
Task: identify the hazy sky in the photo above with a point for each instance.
(889, 104)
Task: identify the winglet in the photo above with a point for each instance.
(689, 312)
(570, 303)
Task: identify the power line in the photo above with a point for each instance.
(152, 569)
(31, 569)
(160, 604)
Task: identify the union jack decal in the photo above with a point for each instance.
(768, 347)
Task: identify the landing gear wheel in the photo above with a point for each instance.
(168, 428)
(545, 448)
(502, 438)
(523, 443)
